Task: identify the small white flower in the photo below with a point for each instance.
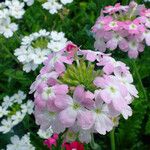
(28, 107)
(66, 1)
(3, 111)
(20, 144)
(53, 6)
(18, 117)
(16, 8)
(40, 55)
(7, 102)
(6, 125)
(19, 97)
(29, 2)
(45, 134)
(29, 66)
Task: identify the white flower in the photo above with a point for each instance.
(15, 8)
(3, 111)
(45, 134)
(66, 1)
(56, 46)
(7, 101)
(146, 0)
(40, 55)
(29, 66)
(18, 117)
(19, 97)
(37, 46)
(7, 28)
(6, 125)
(29, 2)
(53, 6)
(28, 107)
(20, 144)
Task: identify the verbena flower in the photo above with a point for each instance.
(35, 48)
(13, 110)
(9, 11)
(123, 27)
(53, 6)
(23, 143)
(85, 92)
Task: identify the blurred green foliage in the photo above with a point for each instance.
(76, 21)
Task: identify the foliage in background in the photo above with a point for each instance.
(75, 21)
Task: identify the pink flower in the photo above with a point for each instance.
(112, 91)
(71, 49)
(51, 141)
(112, 25)
(134, 27)
(74, 146)
(112, 9)
(101, 21)
(145, 12)
(146, 36)
(76, 106)
(134, 48)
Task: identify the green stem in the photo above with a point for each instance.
(9, 53)
(94, 145)
(139, 79)
(112, 139)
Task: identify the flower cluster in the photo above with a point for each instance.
(13, 110)
(53, 6)
(126, 27)
(83, 91)
(20, 144)
(10, 10)
(35, 48)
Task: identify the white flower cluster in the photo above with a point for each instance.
(8, 10)
(35, 48)
(13, 110)
(45, 134)
(20, 144)
(146, 0)
(54, 5)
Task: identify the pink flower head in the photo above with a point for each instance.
(65, 101)
(115, 29)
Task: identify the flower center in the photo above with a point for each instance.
(113, 24)
(76, 106)
(98, 111)
(112, 89)
(133, 26)
(41, 42)
(81, 74)
(14, 108)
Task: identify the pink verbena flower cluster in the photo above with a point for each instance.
(83, 91)
(126, 27)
